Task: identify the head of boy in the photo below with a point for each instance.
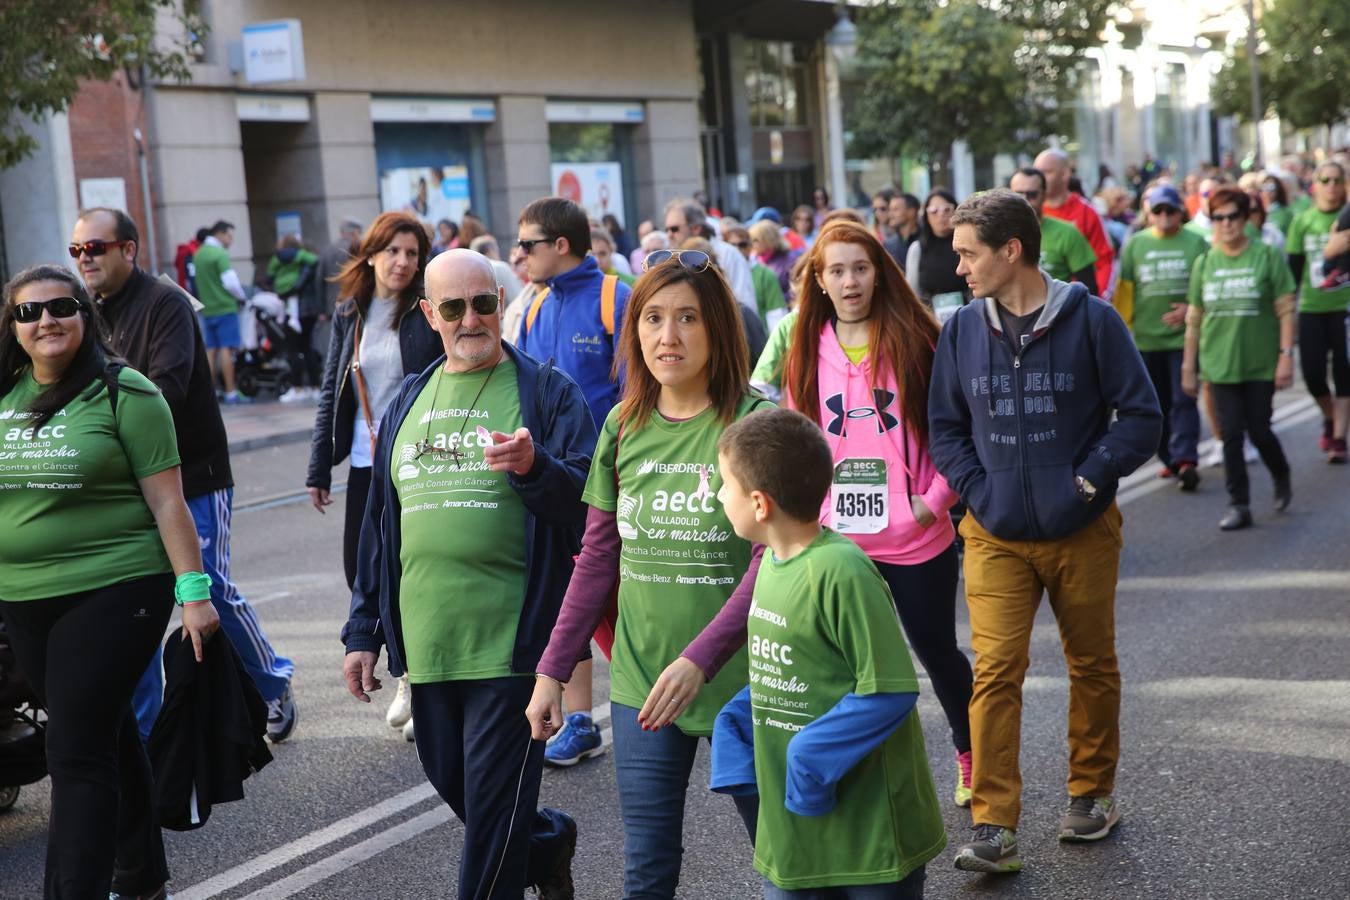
(776, 469)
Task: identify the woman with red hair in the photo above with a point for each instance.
(859, 362)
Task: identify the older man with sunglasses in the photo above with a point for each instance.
(154, 328)
(474, 515)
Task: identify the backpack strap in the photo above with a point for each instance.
(535, 306)
(609, 290)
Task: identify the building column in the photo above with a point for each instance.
(38, 201)
(346, 155)
(516, 156)
(666, 153)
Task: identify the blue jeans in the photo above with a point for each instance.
(271, 673)
(908, 888)
(1180, 416)
(652, 770)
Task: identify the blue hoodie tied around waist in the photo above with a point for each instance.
(1010, 432)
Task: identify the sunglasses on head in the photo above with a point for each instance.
(693, 260)
(93, 248)
(1227, 217)
(453, 310)
(57, 307)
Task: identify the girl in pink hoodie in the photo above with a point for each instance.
(859, 363)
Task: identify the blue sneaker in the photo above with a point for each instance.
(578, 740)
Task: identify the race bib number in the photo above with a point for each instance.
(946, 305)
(859, 497)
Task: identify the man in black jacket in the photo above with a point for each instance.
(152, 325)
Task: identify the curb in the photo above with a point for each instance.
(243, 445)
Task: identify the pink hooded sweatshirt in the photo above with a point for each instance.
(861, 422)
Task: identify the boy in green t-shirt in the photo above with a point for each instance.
(826, 730)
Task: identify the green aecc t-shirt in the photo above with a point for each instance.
(680, 559)
(70, 497)
(1160, 268)
(822, 626)
(1308, 234)
(462, 528)
(1240, 334)
(1064, 250)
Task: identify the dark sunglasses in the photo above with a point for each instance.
(1227, 217)
(528, 245)
(1030, 195)
(93, 248)
(1327, 179)
(740, 245)
(453, 310)
(1166, 211)
(58, 307)
(673, 229)
(693, 260)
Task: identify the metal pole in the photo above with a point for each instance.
(1257, 112)
(151, 244)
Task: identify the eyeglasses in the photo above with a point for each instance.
(528, 245)
(942, 210)
(93, 248)
(57, 307)
(673, 229)
(1327, 179)
(1227, 217)
(693, 260)
(1166, 211)
(1030, 195)
(880, 210)
(453, 309)
(1269, 189)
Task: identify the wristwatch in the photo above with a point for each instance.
(1287, 351)
(1087, 491)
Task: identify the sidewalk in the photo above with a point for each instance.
(253, 426)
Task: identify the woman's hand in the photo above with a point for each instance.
(672, 694)
(320, 497)
(1190, 384)
(922, 514)
(199, 623)
(1284, 372)
(545, 708)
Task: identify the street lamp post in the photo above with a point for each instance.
(1257, 113)
(840, 43)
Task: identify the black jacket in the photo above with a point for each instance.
(336, 417)
(152, 326)
(209, 734)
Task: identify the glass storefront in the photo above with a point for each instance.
(782, 115)
(591, 163)
(433, 169)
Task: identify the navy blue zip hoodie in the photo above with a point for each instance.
(554, 409)
(1009, 433)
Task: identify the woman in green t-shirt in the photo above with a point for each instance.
(1240, 330)
(656, 528)
(96, 528)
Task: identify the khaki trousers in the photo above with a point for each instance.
(1004, 583)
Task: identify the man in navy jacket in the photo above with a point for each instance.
(474, 516)
(1039, 404)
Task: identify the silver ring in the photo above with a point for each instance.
(674, 699)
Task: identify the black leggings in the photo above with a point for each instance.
(83, 654)
(1318, 335)
(925, 597)
(1245, 408)
(358, 488)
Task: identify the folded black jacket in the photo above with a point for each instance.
(209, 734)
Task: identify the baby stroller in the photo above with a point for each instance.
(23, 729)
(263, 363)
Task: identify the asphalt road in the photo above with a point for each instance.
(1234, 780)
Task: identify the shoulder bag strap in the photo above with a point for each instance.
(359, 377)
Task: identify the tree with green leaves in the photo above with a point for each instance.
(1303, 58)
(997, 74)
(49, 46)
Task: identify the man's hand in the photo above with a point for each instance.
(672, 694)
(1190, 382)
(1337, 244)
(1176, 316)
(199, 623)
(545, 709)
(922, 514)
(1284, 372)
(358, 671)
(320, 498)
(511, 452)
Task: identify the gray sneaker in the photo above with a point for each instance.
(1089, 819)
(994, 850)
(281, 716)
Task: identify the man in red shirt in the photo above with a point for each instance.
(1061, 203)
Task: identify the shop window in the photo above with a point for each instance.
(592, 164)
(776, 78)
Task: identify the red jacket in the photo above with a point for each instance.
(1083, 215)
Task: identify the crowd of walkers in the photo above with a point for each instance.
(748, 461)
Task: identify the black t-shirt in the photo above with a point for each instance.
(1017, 329)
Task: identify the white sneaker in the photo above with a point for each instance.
(1214, 458)
(408, 732)
(292, 395)
(400, 710)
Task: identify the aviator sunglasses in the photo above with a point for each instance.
(693, 260)
(58, 307)
(453, 310)
(93, 248)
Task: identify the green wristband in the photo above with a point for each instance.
(191, 587)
